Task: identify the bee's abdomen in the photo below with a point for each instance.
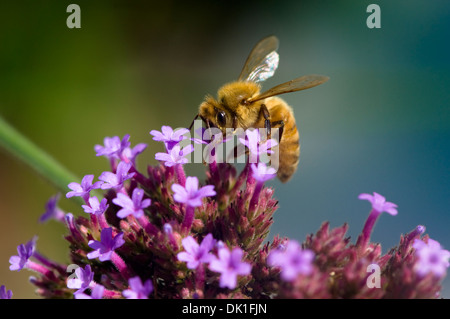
(289, 148)
(289, 153)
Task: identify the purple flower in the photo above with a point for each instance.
(379, 203)
(190, 194)
(262, 173)
(24, 253)
(97, 293)
(192, 197)
(84, 188)
(175, 156)
(116, 180)
(96, 207)
(256, 148)
(292, 259)
(5, 294)
(219, 244)
(82, 281)
(168, 229)
(169, 136)
(137, 289)
(196, 254)
(104, 248)
(431, 258)
(131, 154)
(230, 265)
(200, 131)
(113, 147)
(52, 210)
(132, 206)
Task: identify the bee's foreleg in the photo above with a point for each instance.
(267, 125)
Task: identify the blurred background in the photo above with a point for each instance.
(382, 122)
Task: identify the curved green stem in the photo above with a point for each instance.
(29, 153)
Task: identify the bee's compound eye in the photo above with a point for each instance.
(221, 118)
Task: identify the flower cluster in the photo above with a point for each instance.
(162, 234)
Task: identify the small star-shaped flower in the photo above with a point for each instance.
(104, 248)
(431, 258)
(191, 195)
(84, 188)
(132, 206)
(379, 203)
(196, 254)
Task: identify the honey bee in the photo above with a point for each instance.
(240, 104)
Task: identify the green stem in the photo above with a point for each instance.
(45, 165)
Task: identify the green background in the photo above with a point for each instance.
(382, 122)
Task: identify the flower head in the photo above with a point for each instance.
(292, 260)
(191, 195)
(24, 253)
(83, 279)
(432, 258)
(166, 246)
(137, 289)
(169, 136)
(262, 173)
(116, 180)
(196, 254)
(84, 188)
(107, 244)
(379, 203)
(97, 293)
(230, 265)
(113, 147)
(175, 156)
(5, 294)
(52, 210)
(95, 207)
(132, 206)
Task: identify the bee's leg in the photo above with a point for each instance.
(192, 124)
(265, 113)
(281, 128)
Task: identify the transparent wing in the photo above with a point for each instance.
(262, 61)
(298, 84)
(265, 70)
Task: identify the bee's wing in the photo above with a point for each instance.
(301, 83)
(261, 62)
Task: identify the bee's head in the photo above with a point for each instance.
(214, 114)
(225, 111)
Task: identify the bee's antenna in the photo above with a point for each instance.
(192, 124)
